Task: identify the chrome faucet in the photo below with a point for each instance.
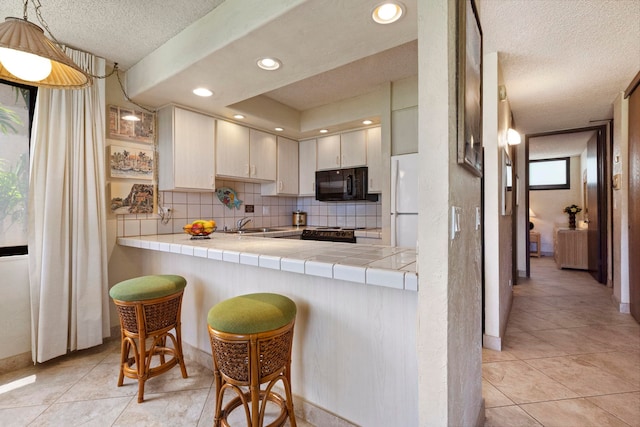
(242, 222)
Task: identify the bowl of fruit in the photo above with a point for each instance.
(200, 228)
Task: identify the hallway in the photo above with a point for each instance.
(569, 359)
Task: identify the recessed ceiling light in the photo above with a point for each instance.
(269, 64)
(323, 131)
(201, 91)
(279, 129)
(367, 122)
(238, 116)
(388, 12)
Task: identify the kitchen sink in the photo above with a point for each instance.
(250, 230)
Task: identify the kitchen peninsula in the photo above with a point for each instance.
(354, 347)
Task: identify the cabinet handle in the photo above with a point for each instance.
(338, 160)
(246, 169)
(280, 186)
(253, 170)
(370, 183)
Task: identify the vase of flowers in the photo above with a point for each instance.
(572, 211)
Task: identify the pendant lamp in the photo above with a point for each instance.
(27, 55)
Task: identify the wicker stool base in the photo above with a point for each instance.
(149, 322)
(246, 397)
(242, 363)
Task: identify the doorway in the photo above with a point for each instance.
(585, 151)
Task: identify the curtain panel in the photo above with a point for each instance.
(67, 218)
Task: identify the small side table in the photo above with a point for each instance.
(534, 238)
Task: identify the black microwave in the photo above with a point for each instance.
(343, 185)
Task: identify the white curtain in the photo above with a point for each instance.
(67, 224)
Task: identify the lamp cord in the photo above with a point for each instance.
(37, 5)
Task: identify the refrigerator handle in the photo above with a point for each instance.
(395, 186)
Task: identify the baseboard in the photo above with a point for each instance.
(16, 362)
(623, 307)
(480, 421)
(491, 342)
(522, 273)
(304, 410)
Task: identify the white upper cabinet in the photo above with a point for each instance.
(243, 153)
(307, 167)
(353, 149)
(287, 169)
(342, 151)
(374, 159)
(185, 150)
(262, 155)
(328, 152)
(232, 150)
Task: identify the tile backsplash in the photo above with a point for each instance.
(268, 211)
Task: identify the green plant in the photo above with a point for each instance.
(8, 118)
(14, 181)
(13, 190)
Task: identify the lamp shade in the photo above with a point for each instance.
(23, 36)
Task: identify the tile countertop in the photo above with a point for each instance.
(362, 263)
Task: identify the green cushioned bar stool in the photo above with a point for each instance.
(149, 309)
(251, 339)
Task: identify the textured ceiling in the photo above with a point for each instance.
(563, 61)
(561, 145)
(121, 31)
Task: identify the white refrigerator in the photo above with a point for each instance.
(404, 200)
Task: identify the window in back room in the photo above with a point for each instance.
(16, 113)
(549, 174)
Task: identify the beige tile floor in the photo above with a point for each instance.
(80, 390)
(570, 359)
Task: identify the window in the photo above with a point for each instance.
(17, 103)
(549, 174)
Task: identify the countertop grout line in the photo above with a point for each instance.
(291, 250)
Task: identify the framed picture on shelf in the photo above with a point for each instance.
(131, 125)
(131, 198)
(469, 85)
(130, 162)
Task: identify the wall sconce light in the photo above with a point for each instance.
(513, 137)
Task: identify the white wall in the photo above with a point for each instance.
(15, 316)
(449, 301)
(620, 165)
(498, 292)
(548, 206)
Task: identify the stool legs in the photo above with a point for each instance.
(250, 361)
(151, 319)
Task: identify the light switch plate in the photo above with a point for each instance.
(456, 213)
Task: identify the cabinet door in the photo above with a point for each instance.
(374, 159)
(287, 181)
(328, 152)
(232, 150)
(262, 155)
(353, 149)
(404, 131)
(307, 167)
(186, 150)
